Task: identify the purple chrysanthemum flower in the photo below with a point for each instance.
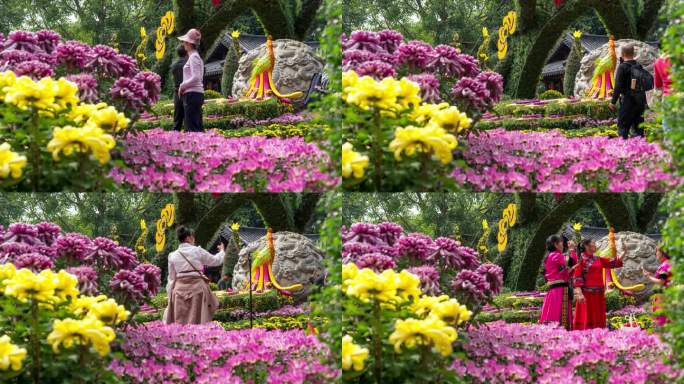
(363, 233)
(451, 255)
(493, 82)
(415, 54)
(87, 279)
(104, 60)
(87, 86)
(375, 261)
(73, 54)
(10, 250)
(470, 65)
(471, 285)
(73, 247)
(2, 41)
(151, 83)
(151, 275)
(12, 57)
(376, 69)
(471, 93)
(36, 262)
(48, 232)
(127, 65)
(364, 40)
(34, 69)
(390, 40)
(22, 40)
(445, 60)
(22, 233)
(351, 251)
(108, 254)
(429, 87)
(429, 279)
(493, 274)
(129, 92)
(416, 246)
(390, 232)
(128, 285)
(48, 40)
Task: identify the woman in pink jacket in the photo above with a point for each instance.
(557, 306)
(191, 89)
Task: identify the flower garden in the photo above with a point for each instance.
(81, 117)
(426, 117)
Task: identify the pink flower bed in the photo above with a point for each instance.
(203, 354)
(158, 160)
(515, 353)
(504, 161)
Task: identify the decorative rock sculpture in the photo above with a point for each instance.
(645, 54)
(638, 250)
(295, 64)
(297, 261)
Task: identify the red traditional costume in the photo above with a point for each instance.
(589, 277)
(557, 306)
(665, 275)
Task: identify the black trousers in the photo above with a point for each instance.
(192, 105)
(178, 112)
(630, 116)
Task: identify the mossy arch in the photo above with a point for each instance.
(536, 221)
(541, 27)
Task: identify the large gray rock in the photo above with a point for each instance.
(646, 55)
(638, 251)
(297, 261)
(295, 65)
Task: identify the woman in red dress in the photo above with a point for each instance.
(590, 307)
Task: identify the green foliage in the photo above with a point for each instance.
(261, 302)
(276, 130)
(517, 302)
(210, 94)
(644, 320)
(551, 94)
(255, 110)
(510, 316)
(270, 322)
(616, 300)
(596, 109)
(572, 66)
(230, 66)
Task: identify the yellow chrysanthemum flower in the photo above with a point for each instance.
(7, 79)
(349, 79)
(430, 139)
(353, 163)
(349, 271)
(70, 332)
(451, 312)
(431, 331)
(451, 119)
(26, 93)
(65, 285)
(577, 227)
(82, 112)
(25, 285)
(408, 285)
(408, 94)
(353, 355)
(367, 285)
(577, 34)
(423, 306)
(368, 93)
(87, 139)
(423, 113)
(235, 34)
(66, 93)
(108, 119)
(235, 227)
(7, 271)
(108, 312)
(11, 356)
(11, 163)
(82, 304)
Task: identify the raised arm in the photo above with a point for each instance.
(211, 260)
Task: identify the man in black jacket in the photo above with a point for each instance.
(632, 103)
(177, 73)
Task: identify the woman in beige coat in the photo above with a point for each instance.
(190, 299)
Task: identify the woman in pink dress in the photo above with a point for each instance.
(557, 307)
(661, 279)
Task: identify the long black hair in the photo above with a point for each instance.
(551, 243)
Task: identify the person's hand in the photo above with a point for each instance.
(220, 247)
(580, 297)
(646, 273)
(612, 107)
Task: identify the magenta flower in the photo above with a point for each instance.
(415, 54)
(128, 285)
(129, 92)
(429, 87)
(128, 66)
(48, 232)
(23, 41)
(493, 274)
(74, 54)
(375, 261)
(376, 69)
(390, 40)
(9, 250)
(390, 232)
(36, 262)
(363, 233)
(471, 93)
(73, 247)
(104, 59)
(34, 69)
(109, 255)
(14, 57)
(87, 87)
(470, 285)
(493, 82)
(364, 40)
(22, 233)
(416, 247)
(48, 40)
(151, 275)
(451, 255)
(429, 279)
(151, 83)
(87, 279)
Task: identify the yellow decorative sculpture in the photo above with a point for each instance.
(510, 216)
(612, 253)
(603, 80)
(262, 273)
(140, 242)
(482, 51)
(140, 50)
(165, 221)
(165, 28)
(508, 28)
(261, 85)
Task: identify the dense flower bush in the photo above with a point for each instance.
(157, 160)
(92, 261)
(393, 330)
(50, 330)
(443, 265)
(516, 353)
(207, 353)
(513, 161)
(442, 72)
(100, 72)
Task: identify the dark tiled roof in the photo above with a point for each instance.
(596, 233)
(214, 68)
(554, 69)
(250, 234)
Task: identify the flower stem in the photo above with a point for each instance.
(377, 147)
(377, 343)
(34, 129)
(35, 344)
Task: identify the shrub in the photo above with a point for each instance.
(616, 300)
(210, 94)
(551, 94)
(248, 109)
